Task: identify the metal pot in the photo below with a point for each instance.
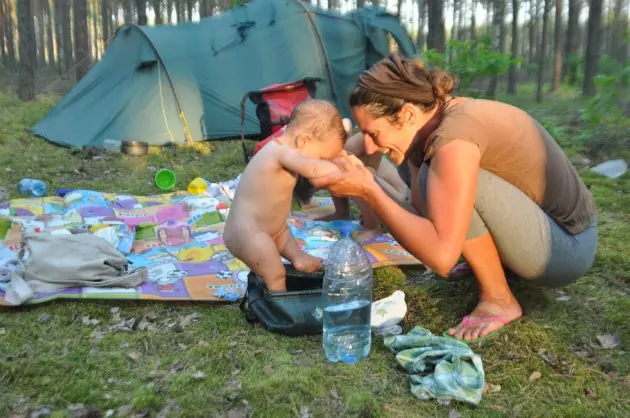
(134, 148)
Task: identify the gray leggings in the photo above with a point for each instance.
(531, 244)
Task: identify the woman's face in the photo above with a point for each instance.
(391, 138)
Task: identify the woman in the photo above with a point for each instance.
(487, 183)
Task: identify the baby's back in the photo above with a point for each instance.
(264, 193)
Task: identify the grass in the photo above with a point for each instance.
(212, 363)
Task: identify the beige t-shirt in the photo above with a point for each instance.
(518, 149)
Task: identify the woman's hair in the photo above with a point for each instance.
(393, 81)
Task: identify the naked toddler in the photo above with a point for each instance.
(256, 231)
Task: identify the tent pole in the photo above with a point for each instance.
(321, 44)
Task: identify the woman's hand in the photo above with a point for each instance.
(352, 180)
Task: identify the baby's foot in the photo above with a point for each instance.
(307, 263)
(367, 234)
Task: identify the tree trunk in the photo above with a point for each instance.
(422, 17)
(572, 43)
(40, 31)
(533, 18)
(28, 50)
(543, 51)
(141, 5)
(96, 50)
(3, 53)
(158, 10)
(9, 33)
(618, 46)
(179, 11)
(453, 29)
(169, 11)
(473, 21)
(436, 39)
(513, 76)
(105, 21)
(58, 35)
(66, 16)
(461, 34)
(557, 61)
(399, 9)
(128, 11)
(593, 43)
(50, 41)
(189, 10)
(498, 25)
(81, 39)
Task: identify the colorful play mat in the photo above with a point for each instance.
(177, 236)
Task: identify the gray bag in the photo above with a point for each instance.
(60, 261)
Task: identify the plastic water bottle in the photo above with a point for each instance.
(32, 187)
(347, 300)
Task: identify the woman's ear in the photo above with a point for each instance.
(407, 113)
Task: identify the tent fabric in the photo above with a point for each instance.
(171, 84)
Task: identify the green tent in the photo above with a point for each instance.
(172, 84)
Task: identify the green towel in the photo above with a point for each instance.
(439, 367)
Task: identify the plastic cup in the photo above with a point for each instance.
(197, 186)
(165, 179)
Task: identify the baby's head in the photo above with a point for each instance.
(317, 129)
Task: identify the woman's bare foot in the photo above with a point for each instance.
(487, 317)
(367, 234)
(306, 263)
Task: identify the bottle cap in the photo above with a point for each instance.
(346, 229)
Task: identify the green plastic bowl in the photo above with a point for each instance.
(165, 179)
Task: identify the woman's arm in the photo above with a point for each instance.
(438, 239)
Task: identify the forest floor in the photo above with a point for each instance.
(569, 356)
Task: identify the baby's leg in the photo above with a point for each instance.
(290, 250)
(260, 253)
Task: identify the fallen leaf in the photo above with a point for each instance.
(454, 414)
(268, 369)
(304, 413)
(198, 375)
(44, 317)
(134, 355)
(238, 413)
(444, 402)
(609, 341)
(3, 331)
(590, 393)
(535, 376)
(182, 347)
(564, 298)
(203, 343)
(110, 413)
(490, 388)
(124, 345)
(334, 394)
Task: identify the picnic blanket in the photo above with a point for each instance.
(177, 236)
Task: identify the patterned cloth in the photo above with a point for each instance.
(439, 367)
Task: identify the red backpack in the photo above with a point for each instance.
(274, 105)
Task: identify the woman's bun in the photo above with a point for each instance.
(442, 83)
